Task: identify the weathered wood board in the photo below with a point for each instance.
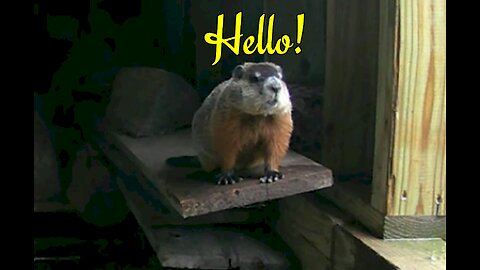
(355, 249)
(213, 248)
(194, 197)
(198, 247)
(144, 204)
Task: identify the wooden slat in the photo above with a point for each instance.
(307, 225)
(356, 249)
(350, 90)
(311, 219)
(398, 227)
(195, 197)
(415, 183)
(140, 194)
(386, 94)
(310, 257)
(347, 198)
(196, 247)
(145, 205)
(214, 248)
(407, 254)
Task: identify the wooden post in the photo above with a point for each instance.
(416, 176)
(408, 159)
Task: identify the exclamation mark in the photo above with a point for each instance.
(300, 20)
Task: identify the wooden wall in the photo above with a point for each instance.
(308, 67)
(350, 90)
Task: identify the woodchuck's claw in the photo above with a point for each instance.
(271, 176)
(228, 178)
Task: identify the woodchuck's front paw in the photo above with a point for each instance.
(228, 178)
(271, 176)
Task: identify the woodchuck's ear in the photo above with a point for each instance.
(238, 72)
(279, 70)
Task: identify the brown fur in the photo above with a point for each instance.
(242, 140)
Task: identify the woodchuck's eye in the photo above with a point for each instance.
(255, 77)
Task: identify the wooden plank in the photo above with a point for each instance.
(420, 132)
(397, 227)
(307, 224)
(347, 198)
(140, 195)
(350, 90)
(415, 184)
(311, 219)
(387, 82)
(194, 197)
(423, 254)
(351, 253)
(343, 250)
(197, 247)
(146, 206)
(308, 254)
(355, 249)
(214, 248)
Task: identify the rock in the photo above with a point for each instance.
(46, 182)
(93, 191)
(149, 101)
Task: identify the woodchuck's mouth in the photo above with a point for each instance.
(272, 101)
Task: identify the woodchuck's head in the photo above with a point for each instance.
(260, 89)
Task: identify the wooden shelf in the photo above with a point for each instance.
(192, 197)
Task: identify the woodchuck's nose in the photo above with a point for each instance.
(275, 89)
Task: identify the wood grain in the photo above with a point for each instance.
(310, 256)
(196, 247)
(312, 219)
(194, 197)
(355, 249)
(420, 135)
(147, 203)
(349, 200)
(398, 227)
(410, 173)
(214, 248)
(307, 223)
(351, 88)
(387, 82)
(427, 254)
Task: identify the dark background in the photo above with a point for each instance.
(81, 46)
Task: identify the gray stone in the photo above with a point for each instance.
(93, 191)
(149, 101)
(46, 183)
